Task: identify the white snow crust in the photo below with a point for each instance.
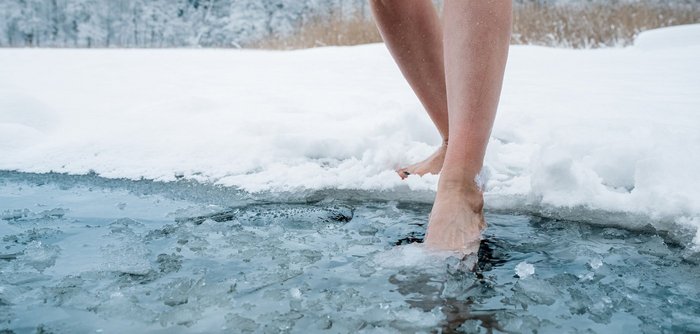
(599, 131)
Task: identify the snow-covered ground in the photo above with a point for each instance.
(581, 134)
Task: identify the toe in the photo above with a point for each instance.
(403, 173)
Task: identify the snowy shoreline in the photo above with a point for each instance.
(608, 130)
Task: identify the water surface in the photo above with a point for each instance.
(86, 254)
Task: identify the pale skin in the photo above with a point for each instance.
(456, 69)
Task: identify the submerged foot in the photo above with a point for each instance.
(457, 218)
(431, 165)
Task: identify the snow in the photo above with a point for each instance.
(669, 37)
(580, 134)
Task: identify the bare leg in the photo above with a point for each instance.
(476, 39)
(412, 32)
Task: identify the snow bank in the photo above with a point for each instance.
(669, 37)
(608, 131)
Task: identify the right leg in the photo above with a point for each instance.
(477, 37)
(412, 32)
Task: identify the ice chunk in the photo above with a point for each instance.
(295, 293)
(410, 255)
(13, 214)
(367, 230)
(524, 269)
(39, 255)
(168, 263)
(586, 277)
(595, 263)
(8, 293)
(124, 251)
(519, 323)
(28, 215)
(177, 292)
(239, 324)
(537, 291)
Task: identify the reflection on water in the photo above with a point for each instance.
(83, 254)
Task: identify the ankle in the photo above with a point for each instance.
(459, 178)
(464, 187)
(459, 184)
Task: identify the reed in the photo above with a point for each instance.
(596, 25)
(589, 25)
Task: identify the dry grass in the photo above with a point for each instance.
(595, 25)
(589, 25)
(324, 32)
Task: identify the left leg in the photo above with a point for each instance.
(411, 31)
(476, 40)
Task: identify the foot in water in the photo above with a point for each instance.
(457, 218)
(431, 165)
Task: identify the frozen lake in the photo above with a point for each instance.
(81, 254)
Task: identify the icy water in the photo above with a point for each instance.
(89, 255)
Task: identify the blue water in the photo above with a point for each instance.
(82, 254)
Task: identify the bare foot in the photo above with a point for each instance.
(432, 164)
(457, 218)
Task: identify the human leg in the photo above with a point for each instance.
(412, 32)
(476, 40)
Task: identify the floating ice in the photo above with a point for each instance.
(330, 264)
(295, 293)
(595, 263)
(534, 291)
(39, 255)
(411, 255)
(524, 269)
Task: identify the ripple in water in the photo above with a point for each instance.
(87, 255)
